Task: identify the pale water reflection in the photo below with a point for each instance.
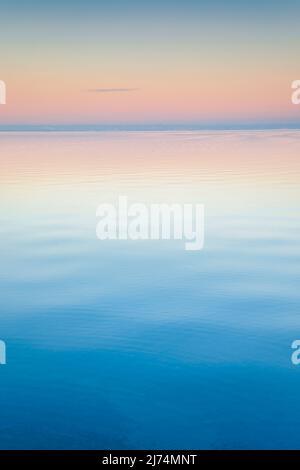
(122, 344)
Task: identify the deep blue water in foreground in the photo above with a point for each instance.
(123, 344)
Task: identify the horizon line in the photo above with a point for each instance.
(145, 127)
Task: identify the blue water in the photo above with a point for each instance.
(123, 344)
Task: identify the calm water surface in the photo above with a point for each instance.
(122, 344)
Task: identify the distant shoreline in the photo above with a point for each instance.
(154, 128)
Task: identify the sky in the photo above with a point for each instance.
(210, 63)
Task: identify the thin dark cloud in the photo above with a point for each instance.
(112, 90)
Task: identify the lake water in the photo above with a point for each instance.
(141, 344)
